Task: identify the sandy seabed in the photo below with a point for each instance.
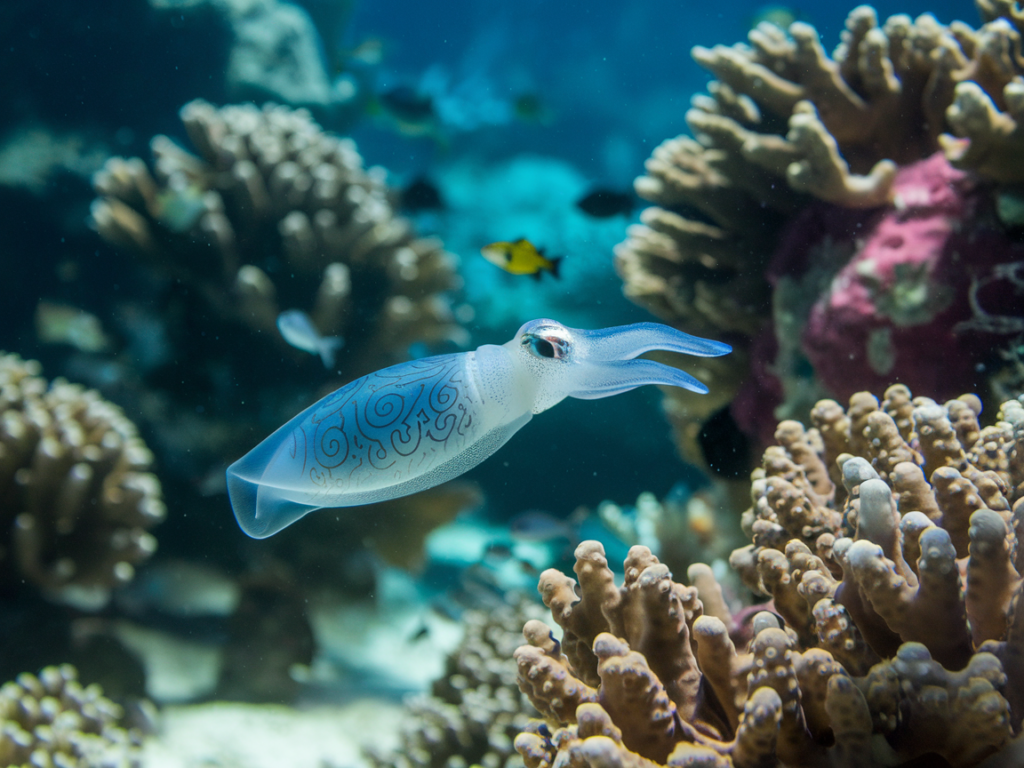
(230, 735)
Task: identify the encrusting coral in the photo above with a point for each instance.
(793, 152)
(77, 498)
(887, 537)
(274, 214)
(475, 708)
(52, 720)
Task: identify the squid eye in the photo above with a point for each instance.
(542, 348)
(550, 347)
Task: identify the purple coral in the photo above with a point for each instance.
(896, 305)
(893, 293)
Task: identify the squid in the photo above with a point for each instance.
(415, 425)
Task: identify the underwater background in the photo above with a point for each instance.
(217, 212)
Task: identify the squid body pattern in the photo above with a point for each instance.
(415, 425)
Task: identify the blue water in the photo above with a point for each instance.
(619, 75)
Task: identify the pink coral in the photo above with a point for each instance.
(893, 307)
(890, 293)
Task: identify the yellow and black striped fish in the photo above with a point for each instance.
(520, 258)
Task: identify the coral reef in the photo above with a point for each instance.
(76, 496)
(987, 103)
(52, 720)
(680, 529)
(828, 179)
(273, 50)
(475, 709)
(886, 536)
(275, 214)
(872, 515)
(276, 52)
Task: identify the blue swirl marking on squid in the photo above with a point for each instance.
(413, 426)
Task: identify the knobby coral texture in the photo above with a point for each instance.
(830, 214)
(275, 214)
(77, 498)
(53, 720)
(887, 538)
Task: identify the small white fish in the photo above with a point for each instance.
(65, 324)
(297, 329)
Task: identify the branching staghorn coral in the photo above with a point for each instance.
(275, 214)
(52, 720)
(644, 677)
(785, 128)
(886, 521)
(76, 495)
(924, 493)
(988, 102)
(887, 538)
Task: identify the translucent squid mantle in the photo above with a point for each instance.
(415, 425)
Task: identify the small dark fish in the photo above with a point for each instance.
(528, 107)
(407, 104)
(528, 568)
(420, 633)
(420, 195)
(605, 203)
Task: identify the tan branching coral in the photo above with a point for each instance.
(77, 498)
(899, 588)
(716, 706)
(882, 99)
(784, 123)
(987, 111)
(274, 214)
(921, 534)
(987, 140)
(52, 720)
